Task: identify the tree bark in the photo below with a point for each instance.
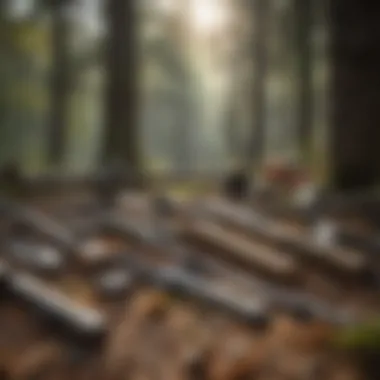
(355, 99)
(261, 19)
(121, 140)
(60, 83)
(304, 95)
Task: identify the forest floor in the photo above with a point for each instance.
(169, 302)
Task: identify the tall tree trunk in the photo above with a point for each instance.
(261, 19)
(121, 140)
(3, 7)
(60, 82)
(231, 127)
(182, 138)
(355, 100)
(304, 95)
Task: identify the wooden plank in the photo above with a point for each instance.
(333, 257)
(42, 224)
(238, 249)
(245, 306)
(43, 259)
(296, 241)
(83, 322)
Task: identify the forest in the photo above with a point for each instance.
(189, 189)
(193, 111)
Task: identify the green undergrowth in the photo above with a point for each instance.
(363, 337)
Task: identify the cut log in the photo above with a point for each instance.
(247, 308)
(179, 282)
(131, 230)
(336, 259)
(35, 221)
(82, 322)
(293, 240)
(41, 258)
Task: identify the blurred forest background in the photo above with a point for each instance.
(207, 95)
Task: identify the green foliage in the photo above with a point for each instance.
(24, 57)
(24, 38)
(364, 337)
(24, 53)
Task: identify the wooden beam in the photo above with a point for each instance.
(245, 252)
